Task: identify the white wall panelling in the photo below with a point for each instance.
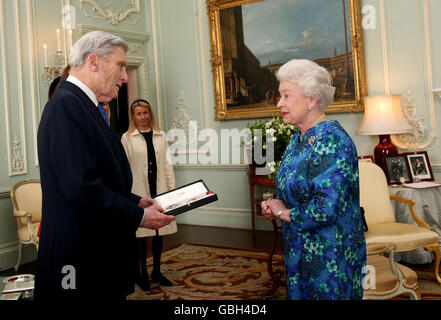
(201, 56)
(5, 84)
(384, 46)
(33, 65)
(17, 146)
(410, 142)
(157, 60)
(19, 157)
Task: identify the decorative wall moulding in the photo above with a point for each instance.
(17, 161)
(421, 138)
(182, 119)
(113, 16)
(141, 64)
(135, 40)
(132, 36)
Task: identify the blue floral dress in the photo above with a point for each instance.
(324, 244)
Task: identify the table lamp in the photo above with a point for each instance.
(383, 117)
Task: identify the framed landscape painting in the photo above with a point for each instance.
(251, 39)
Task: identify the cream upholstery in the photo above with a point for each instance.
(374, 194)
(26, 198)
(391, 278)
(405, 236)
(380, 217)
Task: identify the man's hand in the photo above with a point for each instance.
(147, 202)
(154, 218)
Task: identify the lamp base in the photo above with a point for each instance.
(384, 149)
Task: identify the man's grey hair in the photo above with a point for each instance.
(94, 42)
(313, 79)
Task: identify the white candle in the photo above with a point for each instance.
(45, 55)
(58, 40)
(70, 39)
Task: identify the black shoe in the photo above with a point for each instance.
(144, 283)
(163, 281)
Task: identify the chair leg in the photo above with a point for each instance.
(436, 261)
(414, 294)
(418, 292)
(20, 248)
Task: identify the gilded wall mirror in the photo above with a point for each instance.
(251, 39)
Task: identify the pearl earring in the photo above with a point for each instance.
(309, 108)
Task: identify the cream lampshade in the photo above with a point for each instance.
(383, 117)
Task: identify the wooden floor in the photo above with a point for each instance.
(214, 236)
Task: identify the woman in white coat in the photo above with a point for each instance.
(150, 161)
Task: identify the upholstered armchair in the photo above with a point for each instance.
(26, 198)
(380, 217)
(387, 278)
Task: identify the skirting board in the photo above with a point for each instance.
(228, 218)
(9, 255)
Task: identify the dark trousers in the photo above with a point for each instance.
(157, 243)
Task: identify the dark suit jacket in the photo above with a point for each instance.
(89, 215)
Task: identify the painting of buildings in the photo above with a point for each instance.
(258, 38)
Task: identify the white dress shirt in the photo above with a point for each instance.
(84, 88)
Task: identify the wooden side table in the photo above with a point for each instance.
(260, 181)
(254, 180)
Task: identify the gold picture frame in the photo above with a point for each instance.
(227, 108)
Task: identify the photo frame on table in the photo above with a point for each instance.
(419, 165)
(366, 158)
(397, 169)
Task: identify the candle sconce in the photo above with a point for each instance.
(50, 73)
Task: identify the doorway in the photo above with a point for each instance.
(119, 107)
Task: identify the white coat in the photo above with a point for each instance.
(136, 150)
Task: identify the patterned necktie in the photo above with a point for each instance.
(103, 112)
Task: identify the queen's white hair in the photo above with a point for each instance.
(313, 79)
(94, 42)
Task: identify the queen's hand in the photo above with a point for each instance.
(266, 211)
(272, 208)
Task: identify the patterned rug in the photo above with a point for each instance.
(201, 272)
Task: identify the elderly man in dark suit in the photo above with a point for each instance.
(89, 213)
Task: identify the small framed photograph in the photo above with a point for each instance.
(419, 165)
(397, 169)
(366, 158)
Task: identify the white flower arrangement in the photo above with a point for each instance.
(277, 132)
